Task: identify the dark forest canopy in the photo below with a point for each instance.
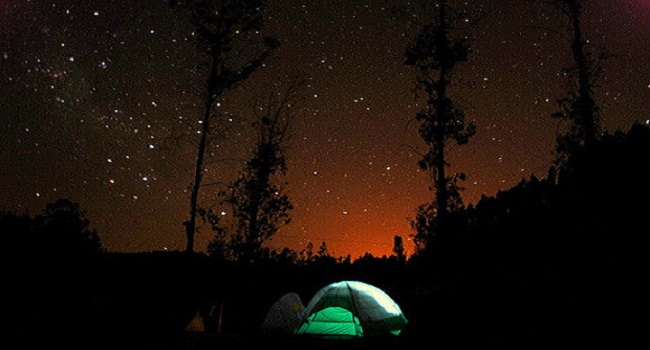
(60, 231)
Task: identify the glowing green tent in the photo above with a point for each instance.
(351, 309)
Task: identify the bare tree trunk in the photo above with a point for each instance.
(190, 225)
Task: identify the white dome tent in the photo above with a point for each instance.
(284, 316)
(351, 309)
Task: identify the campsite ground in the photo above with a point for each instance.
(198, 341)
(143, 302)
(201, 341)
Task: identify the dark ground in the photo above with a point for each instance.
(143, 302)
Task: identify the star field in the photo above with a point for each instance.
(100, 103)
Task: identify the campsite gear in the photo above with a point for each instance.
(196, 324)
(351, 309)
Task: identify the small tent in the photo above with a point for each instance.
(351, 309)
(284, 316)
(196, 324)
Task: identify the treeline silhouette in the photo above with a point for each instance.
(557, 261)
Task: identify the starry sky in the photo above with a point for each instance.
(95, 94)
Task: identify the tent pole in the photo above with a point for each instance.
(354, 306)
(220, 320)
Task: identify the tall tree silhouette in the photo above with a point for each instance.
(229, 34)
(578, 106)
(259, 206)
(435, 54)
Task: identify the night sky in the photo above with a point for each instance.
(93, 94)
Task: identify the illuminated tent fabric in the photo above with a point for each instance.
(196, 324)
(284, 316)
(351, 309)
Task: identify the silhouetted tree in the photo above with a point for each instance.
(435, 54)
(17, 235)
(60, 231)
(229, 34)
(259, 206)
(64, 229)
(398, 248)
(578, 106)
(322, 250)
(307, 254)
(286, 256)
(323, 258)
